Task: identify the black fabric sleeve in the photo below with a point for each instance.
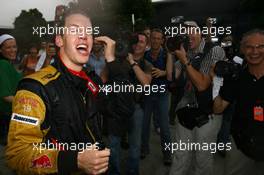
(228, 90)
(117, 69)
(67, 162)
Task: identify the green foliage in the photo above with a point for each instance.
(23, 30)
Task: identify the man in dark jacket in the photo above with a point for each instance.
(247, 154)
(133, 72)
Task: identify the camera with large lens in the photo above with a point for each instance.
(229, 70)
(124, 43)
(175, 42)
(229, 47)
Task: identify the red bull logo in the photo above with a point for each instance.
(42, 162)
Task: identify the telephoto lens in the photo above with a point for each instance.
(229, 70)
(124, 44)
(175, 42)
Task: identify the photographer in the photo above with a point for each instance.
(54, 129)
(196, 123)
(136, 71)
(230, 47)
(248, 121)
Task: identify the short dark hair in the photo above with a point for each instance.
(146, 28)
(75, 9)
(157, 30)
(141, 33)
(33, 45)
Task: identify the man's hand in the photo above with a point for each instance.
(93, 161)
(219, 105)
(156, 73)
(109, 47)
(181, 54)
(8, 99)
(130, 59)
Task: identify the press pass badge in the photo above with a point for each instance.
(258, 113)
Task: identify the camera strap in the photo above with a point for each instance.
(198, 58)
(204, 98)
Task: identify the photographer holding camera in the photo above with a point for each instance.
(248, 120)
(132, 70)
(196, 123)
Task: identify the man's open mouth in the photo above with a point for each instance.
(83, 49)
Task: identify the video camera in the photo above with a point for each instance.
(229, 47)
(174, 43)
(230, 69)
(124, 43)
(124, 39)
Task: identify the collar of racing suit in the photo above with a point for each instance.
(77, 78)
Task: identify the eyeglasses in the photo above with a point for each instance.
(251, 47)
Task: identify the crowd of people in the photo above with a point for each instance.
(54, 99)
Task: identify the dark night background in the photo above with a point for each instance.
(115, 15)
(241, 15)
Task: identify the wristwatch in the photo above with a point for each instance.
(187, 64)
(134, 64)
